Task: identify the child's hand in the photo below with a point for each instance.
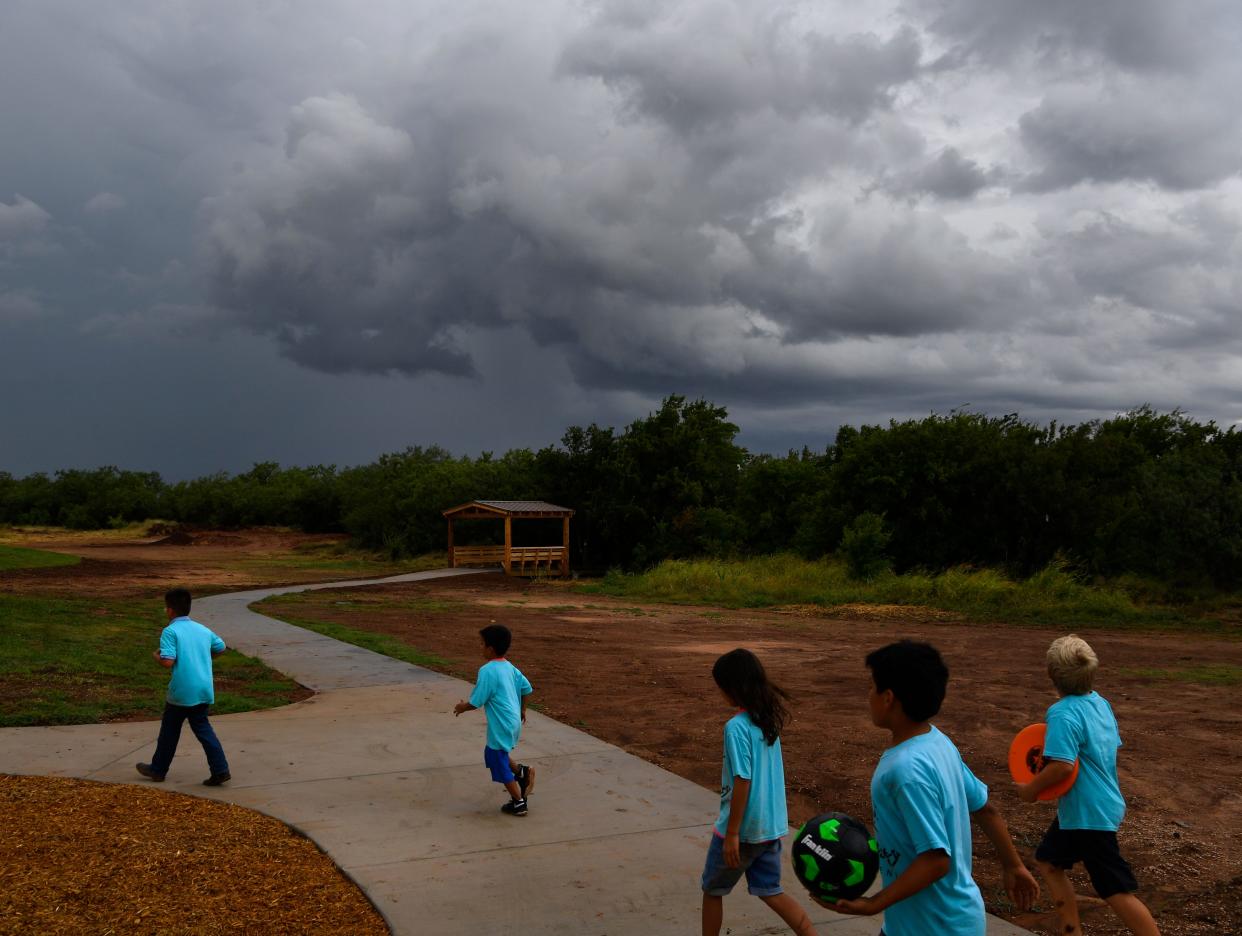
(460, 707)
(1025, 793)
(1021, 886)
(863, 906)
(732, 850)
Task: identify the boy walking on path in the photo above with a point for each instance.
(501, 691)
(1082, 727)
(187, 648)
(924, 797)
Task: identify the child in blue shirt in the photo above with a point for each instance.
(752, 820)
(187, 648)
(924, 797)
(1082, 727)
(501, 691)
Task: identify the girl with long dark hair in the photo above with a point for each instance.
(753, 817)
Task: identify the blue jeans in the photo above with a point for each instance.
(170, 734)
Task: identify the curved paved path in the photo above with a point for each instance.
(379, 773)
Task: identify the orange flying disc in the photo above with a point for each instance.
(1026, 759)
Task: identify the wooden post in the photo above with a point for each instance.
(508, 545)
(565, 547)
(452, 558)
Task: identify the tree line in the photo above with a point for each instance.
(1144, 493)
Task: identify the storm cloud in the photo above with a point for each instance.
(849, 211)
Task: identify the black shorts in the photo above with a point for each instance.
(1097, 850)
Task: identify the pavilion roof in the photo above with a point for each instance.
(481, 509)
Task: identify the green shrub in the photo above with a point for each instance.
(863, 546)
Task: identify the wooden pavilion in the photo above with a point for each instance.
(516, 560)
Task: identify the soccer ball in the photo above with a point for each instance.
(835, 857)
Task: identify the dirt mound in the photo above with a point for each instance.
(176, 538)
(213, 538)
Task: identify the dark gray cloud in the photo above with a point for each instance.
(1166, 132)
(1136, 34)
(744, 59)
(407, 216)
(950, 175)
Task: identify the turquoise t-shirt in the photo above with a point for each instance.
(190, 644)
(749, 756)
(499, 692)
(1083, 728)
(923, 794)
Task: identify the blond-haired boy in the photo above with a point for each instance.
(1082, 727)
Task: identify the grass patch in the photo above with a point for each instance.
(359, 600)
(71, 661)
(1204, 675)
(16, 557)
(27, 533)
(380, 643)
(338, 557)
(1051, 596)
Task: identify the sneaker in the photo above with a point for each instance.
(526, 779)
(218, 778)
(146, 771)
(515, 807)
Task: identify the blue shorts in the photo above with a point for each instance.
(761, 863)
(498, 761)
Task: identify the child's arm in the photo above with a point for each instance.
(924, 871)
(1020, 884)
(737, 808)
(463, 706)
(1053, 773)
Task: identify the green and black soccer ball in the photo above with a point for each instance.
(835, 857)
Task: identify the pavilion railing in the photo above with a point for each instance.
(522, 559)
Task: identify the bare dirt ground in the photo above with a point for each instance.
(640, 677)
(204, 561)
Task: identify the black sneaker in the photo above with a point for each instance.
(526, 779)
(218, 778)
(515, 807)
(146, 771)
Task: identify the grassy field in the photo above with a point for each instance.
(349, 561)
(66, 662)
(23, 534)
(1052, 596)
(285, 608)
(17, 557)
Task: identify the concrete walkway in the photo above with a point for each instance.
(379, 773)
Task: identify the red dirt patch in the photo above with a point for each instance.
(577, 650)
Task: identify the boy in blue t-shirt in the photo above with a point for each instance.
(187, 648)
(1082, 727)
(924, 797)
(501, 691)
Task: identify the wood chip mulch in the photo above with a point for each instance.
(83, 857)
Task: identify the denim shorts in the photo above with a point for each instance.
(761, 863)
(498, 762)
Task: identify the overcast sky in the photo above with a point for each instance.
(318, 231)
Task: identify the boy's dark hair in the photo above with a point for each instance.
(497, 637)
(740, 674)
(916, 674)
(177, 600)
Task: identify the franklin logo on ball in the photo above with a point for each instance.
(835, 857)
